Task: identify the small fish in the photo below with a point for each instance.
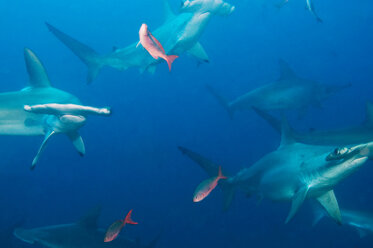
(205, 188)
(153, 46)
(115, 228)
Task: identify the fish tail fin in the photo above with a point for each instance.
(223, 102)
(212, 170)
(220, 175)
(128, 219)
(170, 59)
(90, 57)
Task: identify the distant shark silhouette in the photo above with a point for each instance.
(354, 135)
(179, 33)
(40, 109)
(309, 7)
(294, 172)
(288, 92)
(82, 234)
(6, 234)
(362, 222)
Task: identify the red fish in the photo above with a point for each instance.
(115, 228)
(205, 188)
(153, 46)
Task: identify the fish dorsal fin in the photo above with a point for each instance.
(285, 71)
(89, 221)
(369, 114)
(168, 13)
(36, 71)
(329, 202)
(286, 133)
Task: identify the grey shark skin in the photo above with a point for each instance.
(179, 34)
(18, 115)
(82, 234)
(362, 222)
(340, 137)
(288, 92)
(294, 172)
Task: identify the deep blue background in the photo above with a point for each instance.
(132, 159)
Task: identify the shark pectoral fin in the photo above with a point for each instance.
(199, 53)
(298, 200)
(330, 204)
(41, 149)
(77, 141)
(362, 233)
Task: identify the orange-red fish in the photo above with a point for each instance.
(115, 228)
(153, 46)
(205, 188)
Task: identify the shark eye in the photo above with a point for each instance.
(336, 151)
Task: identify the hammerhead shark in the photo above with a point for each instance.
(347, 136)
(40, 109)
(309, 6)
(178, 34)
(81, 234)
(293, 172)
(362, 222)
(288, 92)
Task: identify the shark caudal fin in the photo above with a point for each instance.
(223, 102)
(212, 170)
(92, 59)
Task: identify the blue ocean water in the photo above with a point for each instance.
(132, 160)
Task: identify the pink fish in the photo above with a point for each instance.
(115, 228)
(153, 46)
(205, 188)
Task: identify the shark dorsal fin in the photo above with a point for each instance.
(285, 71)
(89, 221)
(36, 71)
(369, 114)
(168, 13)
(286, 133)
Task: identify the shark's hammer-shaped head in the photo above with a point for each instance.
(216, 7)
(66, 119)
(344, 161)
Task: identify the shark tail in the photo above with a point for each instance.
(170, 59)
(223, 102)
(90, 57)
(212, 170)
